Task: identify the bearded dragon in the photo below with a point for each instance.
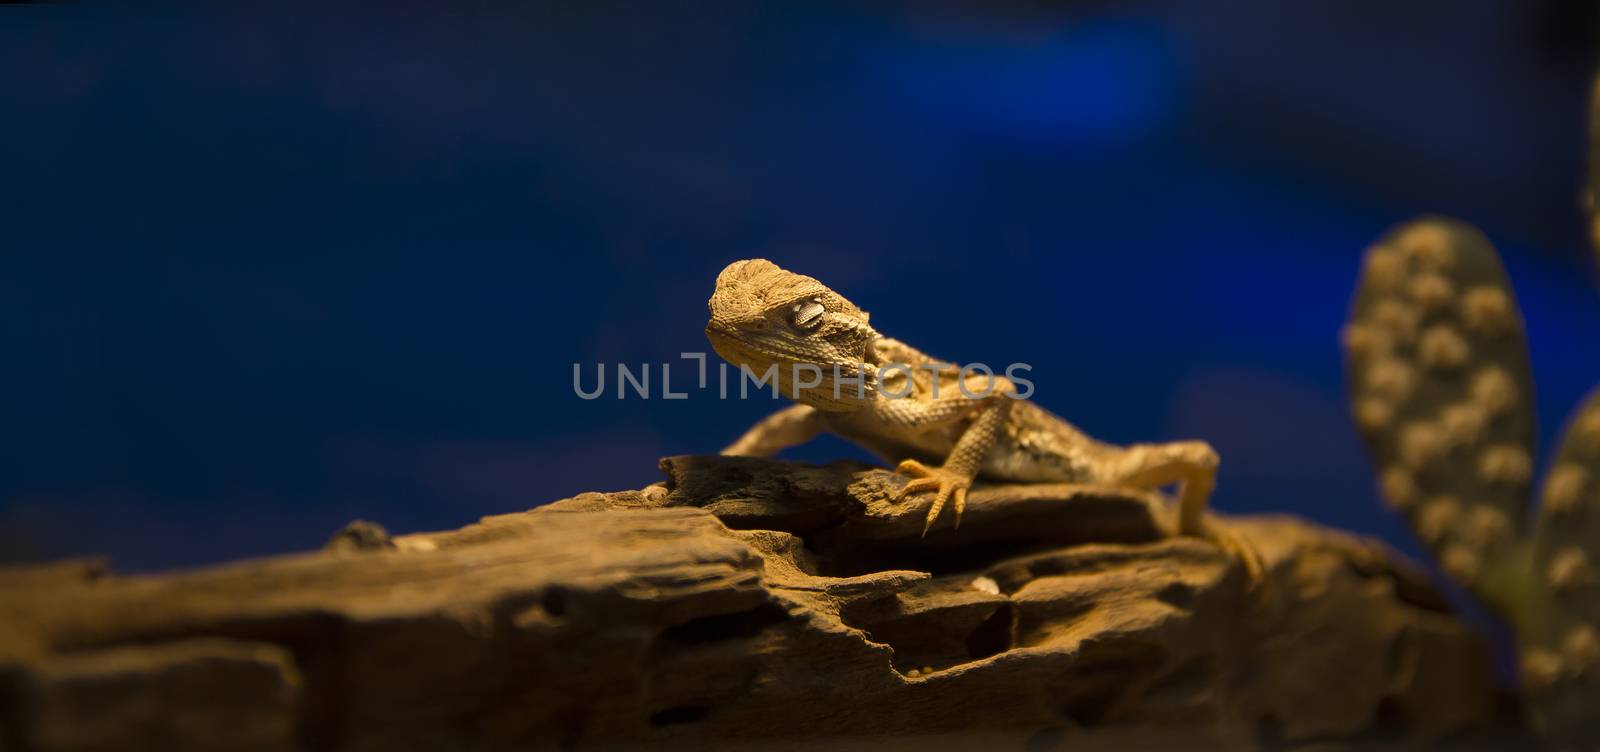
(915, 413)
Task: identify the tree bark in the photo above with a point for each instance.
(746, 601)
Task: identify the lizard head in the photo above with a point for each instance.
(762, 315)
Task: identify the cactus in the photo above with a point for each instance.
(1440, 388)
(1441, 391)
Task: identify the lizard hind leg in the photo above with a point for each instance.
(1190, 464)
(1193, 466)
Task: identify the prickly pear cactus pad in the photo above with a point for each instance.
(1566, 544)
(1441, 391)
(1439, 382)
(1561, 608)
(1569, 517)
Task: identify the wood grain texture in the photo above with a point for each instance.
(746, 601)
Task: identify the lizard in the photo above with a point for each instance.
(886, 396)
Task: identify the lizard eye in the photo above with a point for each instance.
(807, 315)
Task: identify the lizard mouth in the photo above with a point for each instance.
(738, 346)
(732, 345)
(767, 347)
(715, 328)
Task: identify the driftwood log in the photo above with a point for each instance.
(750, 602)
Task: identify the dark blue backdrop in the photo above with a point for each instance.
(265, 271)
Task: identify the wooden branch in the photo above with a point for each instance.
(746, 600)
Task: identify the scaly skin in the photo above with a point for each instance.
(941, 438)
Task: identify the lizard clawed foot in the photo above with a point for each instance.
(1235, 546)
(947, 485)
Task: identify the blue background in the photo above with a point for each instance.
(266, 271)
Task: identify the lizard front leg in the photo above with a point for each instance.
(950, 481)
(785, 428)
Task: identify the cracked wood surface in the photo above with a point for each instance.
(747, 600)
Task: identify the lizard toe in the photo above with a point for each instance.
(915, 469)
(945, 490)
(1235, 546)
(917, 485)
(960, 499)
(948, 486)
